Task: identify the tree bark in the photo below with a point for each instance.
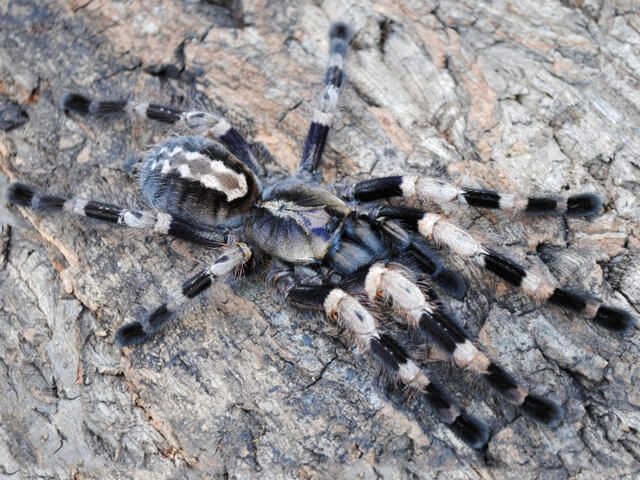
(518, 96)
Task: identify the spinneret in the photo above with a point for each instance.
(325, 247)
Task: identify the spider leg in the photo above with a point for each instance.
(207, 124)
(139, 331)
(436, 228)
(439, 192)
(327, 100)
(342, 307)
(425, 314)
(157, 222)
(428, 261)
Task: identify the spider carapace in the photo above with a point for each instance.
(337, 249)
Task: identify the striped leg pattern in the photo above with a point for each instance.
(439, 192)
(157, 222)
(436, 228)
(137, 332)
(327, 101)
(426, 315)
(405, 241)
(207, 124)
(350, 314)
(460, 242)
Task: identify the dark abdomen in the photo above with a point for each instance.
(196, 179)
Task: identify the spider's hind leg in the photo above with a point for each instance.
(157, 222)
(139, 331)
(206, 124)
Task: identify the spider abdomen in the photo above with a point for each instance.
(196, 179)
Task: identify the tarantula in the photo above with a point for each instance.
(332, 248)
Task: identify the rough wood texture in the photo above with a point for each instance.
(514, 95)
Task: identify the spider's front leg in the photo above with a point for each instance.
(435, 227)
(440, 192)
(139, 331)
(405, 242)
(350, 314)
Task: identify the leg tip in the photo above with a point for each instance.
(74, 102)
(614, 319)
(130, 334)
(20, 194)
(471, 431)
(451, 283)
(542, 411)
(584, 205)
(340, 30)
(106, 107)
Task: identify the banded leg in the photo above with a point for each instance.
(160, 222)
(405, 242)
(439, 192)
(137, 332)
(203, 123)
(327, 101)
(351, 315)
(428, 316)
(436, 228)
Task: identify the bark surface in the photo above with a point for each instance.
(518, 96)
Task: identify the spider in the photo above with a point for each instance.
(339, 249)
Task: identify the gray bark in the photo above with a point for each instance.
(518, 96)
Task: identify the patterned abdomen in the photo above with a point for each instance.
(196, 179)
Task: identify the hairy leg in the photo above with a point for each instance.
(440, 192)
(425, 314)
(155, 222)
(139, 331)
(205, 124)
(327, 100)
(362, 327)
(436, 228)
